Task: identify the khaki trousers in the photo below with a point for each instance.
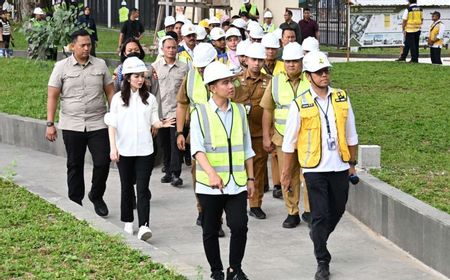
(275, 169)
(259, 170)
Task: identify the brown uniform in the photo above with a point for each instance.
(292, 198)
(249, 92)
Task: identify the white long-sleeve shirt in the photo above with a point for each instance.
(331, 160)
(133, 124)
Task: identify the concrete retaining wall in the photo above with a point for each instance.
(413, 225)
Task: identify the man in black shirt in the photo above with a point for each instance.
(290, 24)
(90, 23)
(131, 28)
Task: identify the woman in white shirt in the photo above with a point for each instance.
(133, 113)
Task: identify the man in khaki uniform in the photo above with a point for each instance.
(280, 92)
(249, 89)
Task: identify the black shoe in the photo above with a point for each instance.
(400, 59)
(291, 221)
(176, 181)
(306, 217)
(277, 192)
(221, 232)
(199, 219)
(218, 275)
(236, 275)
(163, 170)
(413, 61)
(323, 272)
(257, 212)
(266, 188)
(188, 161)
(99, 205)
(166, 178)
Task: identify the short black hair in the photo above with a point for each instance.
(306, 9)
(225, 23)
(235, 17)
(74, 36)
(124, 46)
(245, 14)
(289, 12)
(413, 1)
(288, 29)
(172, 34)
(133, 10)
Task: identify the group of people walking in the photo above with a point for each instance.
(231, 104)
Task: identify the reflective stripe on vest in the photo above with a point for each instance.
(283, 94)
(309, 144)
(195, 89)
(123, 14)
(414, 21)
(434, 32)
(225, 153)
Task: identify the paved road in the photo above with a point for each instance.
(273, 253)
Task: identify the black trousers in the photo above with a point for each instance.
(171, 155)
(328, 194)
(235, 207)
(135, 169)
(76, 143)
(435, 55)
(411, 44)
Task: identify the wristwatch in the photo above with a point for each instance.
(251, 179)
(178, 133)
(353, 162)
(50, 124)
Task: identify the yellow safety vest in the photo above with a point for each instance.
(185, 57)
(279, 67)
(225, 153)
(414, 21)
(269, 28)
(161, 33)
(195, 89)
(309, 144)
(434, 31)
(123, 14)
(252, 9)
(283, 94)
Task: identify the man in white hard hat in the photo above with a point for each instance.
(250, 9)
(36, 23)
(169, 24)
(240, 52)
(241, 25)
(284, 88)
(250, 86)
(321, 136)
(213, 22)
(123, 12)
(256, 33)
(310, 44)
(38, 14)
(193, 91)
(224, 172)
(186, 47)
(233, 37)
(272, 65)
(268, 25)
(201, 34)
(217, 36)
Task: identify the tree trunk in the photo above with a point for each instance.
(25, 9)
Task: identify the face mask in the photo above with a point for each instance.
(134, 54)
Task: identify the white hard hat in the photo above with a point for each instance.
(217, 33)
(270, 40)
(310, 44)
(38, 11)
(268, 14)
(204, 53)
(188, 29)
(232, 31)
(201, 32)
(242, 47)
(239, 23)
(180, 18)
(213, 20)
(216, 71)
(315, 61)
(256, 50)
(168, 21)
(279, 33)
(245, 1)
(124, 3)
(256, 32)
(252, 24)
(292, 51)
(133, 65)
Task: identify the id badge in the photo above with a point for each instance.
(248, 108)
(331, 142)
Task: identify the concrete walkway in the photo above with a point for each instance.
(273, 253)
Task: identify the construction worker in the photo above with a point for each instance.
(224, 170)
(321, 127)
(310, 44)
(123, 12)
(186, 47)
(201, 34)
(256, 33)
(169, 24)
(213, 22)
(218, 41)
(279, 94)
(272, 65)
(241, 25)
(250, 9)
(268, 26)
(193, 91)
(435, 38)
(240, 52)
(412, 23)
(250, 86)
(233, 37)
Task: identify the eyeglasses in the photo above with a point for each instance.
(322, 71)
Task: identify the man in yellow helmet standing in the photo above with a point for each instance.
(321, 127)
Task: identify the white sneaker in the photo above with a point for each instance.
(144, 233)
(128, 228)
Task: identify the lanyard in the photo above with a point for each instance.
(325, 114)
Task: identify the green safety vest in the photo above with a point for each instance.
(123, 14)
(185, 57)
(283, 94)
(161, 33)
(252, 9)
(269, 28)
(196, 89)
(225, 153)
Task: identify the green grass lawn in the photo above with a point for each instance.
(399, 106)
(39, 241)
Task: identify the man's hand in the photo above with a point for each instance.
(352, 170)
(51, 133)
(268, 145)
(181, 142)
(250, 189)
(285, 180)
(215, 181)
(154, 131)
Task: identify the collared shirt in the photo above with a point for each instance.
(267, 103)
(133, 124)
(170, 78)
(198, 145)
(249, 92)
(331, 160)
(187, 49)
(83, 103)
(308, 28)
(296, 27)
